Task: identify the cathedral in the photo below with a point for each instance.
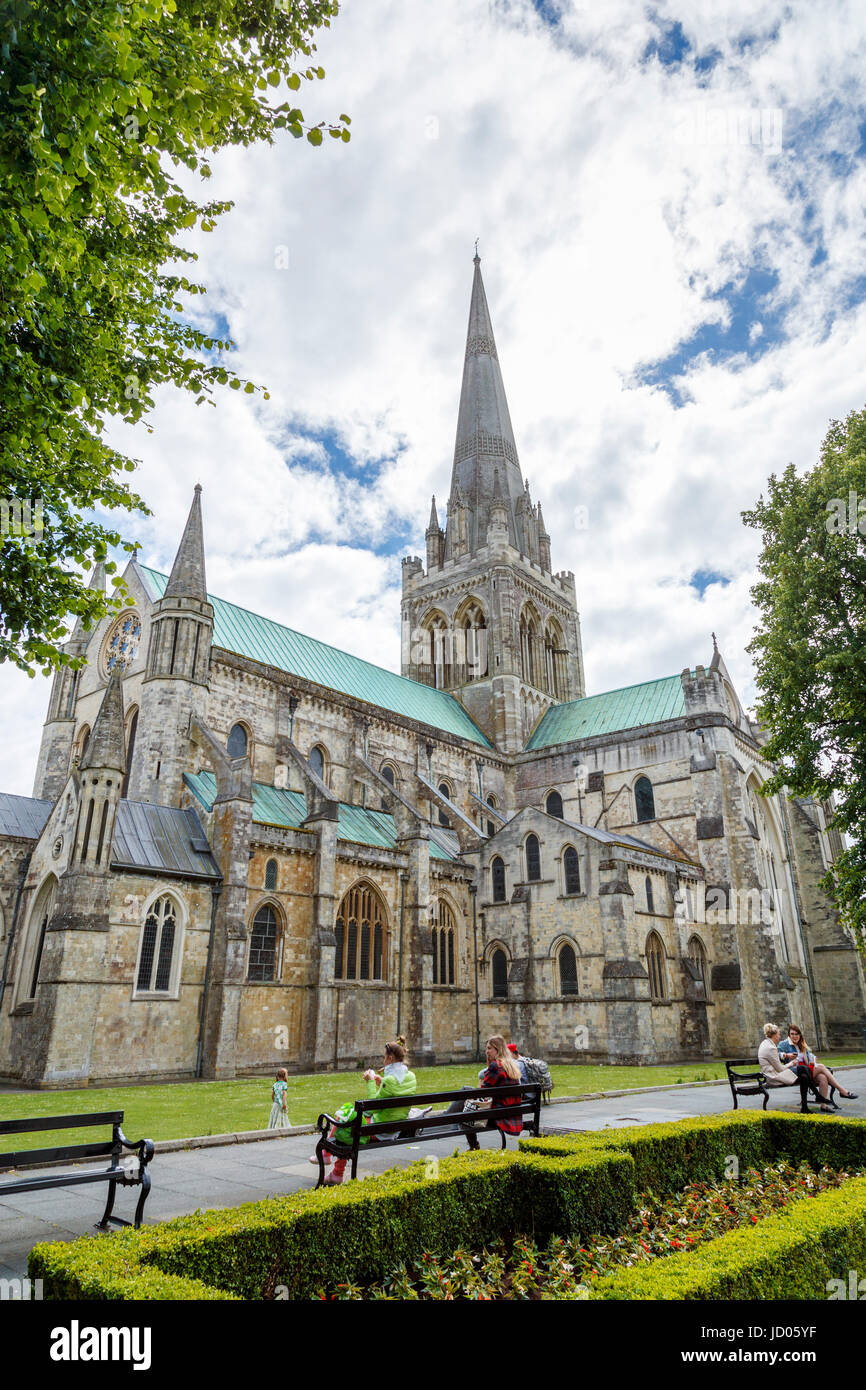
(246, 849)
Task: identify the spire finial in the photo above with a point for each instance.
(476, 259)
(715, 643)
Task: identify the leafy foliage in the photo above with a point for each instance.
(103, 106)
(810, 646)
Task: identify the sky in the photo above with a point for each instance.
(669, 200)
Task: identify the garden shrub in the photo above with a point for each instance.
(563, 1185)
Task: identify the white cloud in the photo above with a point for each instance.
(607, 239)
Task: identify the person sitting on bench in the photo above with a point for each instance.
(502, 1070)
(794, 1052)
(775, 1072)
(395, 1079)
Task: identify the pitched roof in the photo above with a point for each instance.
(23, 816)
(248, 634)
(287, 809)
(162, 838)
(651, 702)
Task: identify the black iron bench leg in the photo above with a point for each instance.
(320, 1155)
(139, 1206)
(104, 1224)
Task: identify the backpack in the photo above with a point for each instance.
(539, 1071)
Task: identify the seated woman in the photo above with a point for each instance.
(773, 1067)
(395, 1079)
(795, 1052)
(502, 1070)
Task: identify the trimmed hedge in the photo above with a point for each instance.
(578, 1184)
(790, 1254)
(355, 1233)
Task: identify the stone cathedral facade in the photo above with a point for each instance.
(246, 849)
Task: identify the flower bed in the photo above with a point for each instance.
(565, 1269)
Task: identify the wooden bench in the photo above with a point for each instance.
(754, 1083)
(134, 1175)
(437, 1125)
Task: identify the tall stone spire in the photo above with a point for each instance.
(485, 438)
(106, 747)
(187, 578)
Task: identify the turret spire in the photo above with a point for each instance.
(485, 438)
(187, 578)
(106, 747)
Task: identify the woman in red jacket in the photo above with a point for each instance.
(502, 1070)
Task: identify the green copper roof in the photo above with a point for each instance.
(649, 703)
(287, 809)
(247, 634)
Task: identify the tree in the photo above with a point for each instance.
(102, 103)
(810, 646)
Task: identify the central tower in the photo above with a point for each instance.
(488, 619)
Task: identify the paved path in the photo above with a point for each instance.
(236, 1173)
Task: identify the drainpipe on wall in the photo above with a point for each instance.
(473, 889)
(22, 874)
(404, 879)
(214, 903)
(796, 902)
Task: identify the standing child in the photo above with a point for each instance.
(279, 1110)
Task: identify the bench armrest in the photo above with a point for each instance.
(144, 1147)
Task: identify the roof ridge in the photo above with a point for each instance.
(617, 690)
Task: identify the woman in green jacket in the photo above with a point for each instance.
(395, 1079)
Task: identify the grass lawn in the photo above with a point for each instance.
(183, 1109)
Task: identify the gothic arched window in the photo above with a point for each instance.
(649, 894)
(444, 790)
(554, 659)
(498, 875)
(644, 800)
(81, 744)
(444, 944)
(533, 859)
(529, 643)
(471, 661)
(655, 961)
(317, 761)
(571, 868)
(390, 777)
(271, 875)
(554, 805)
(362, 935)
(264, 940)
(567, 971)
(42, 913)
(491, 824)
(131, 731)
(237, 742)
(499, 964)
(158, 956)
(698, 956)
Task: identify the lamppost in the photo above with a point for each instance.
(473, 889)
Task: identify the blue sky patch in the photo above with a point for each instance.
(702, 579)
